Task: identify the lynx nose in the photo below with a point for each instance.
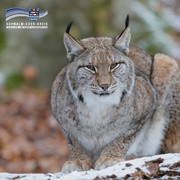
(104, 86)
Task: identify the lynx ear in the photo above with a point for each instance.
(73, 46)
(122, 41)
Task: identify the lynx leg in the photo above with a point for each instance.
(166, 79)
(80, 160)
(172, 138)
(113, 153)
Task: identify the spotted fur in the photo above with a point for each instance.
(108, 103)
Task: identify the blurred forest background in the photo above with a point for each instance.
(30, 137)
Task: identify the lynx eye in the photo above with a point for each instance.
(91, 68)
(113, 66)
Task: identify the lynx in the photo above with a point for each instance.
(115, 102)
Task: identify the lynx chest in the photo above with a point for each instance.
(99, 126)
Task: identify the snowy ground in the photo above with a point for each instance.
(156, 167)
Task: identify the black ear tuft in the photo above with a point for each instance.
(69, 27)
(126, 24)
(127, 21)
(121, 41)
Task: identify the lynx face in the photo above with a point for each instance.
(99, 68)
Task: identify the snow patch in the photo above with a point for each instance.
(147, 166)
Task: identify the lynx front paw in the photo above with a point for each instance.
(105, 162)
(77, 165)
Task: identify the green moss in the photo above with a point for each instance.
(14, 80)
